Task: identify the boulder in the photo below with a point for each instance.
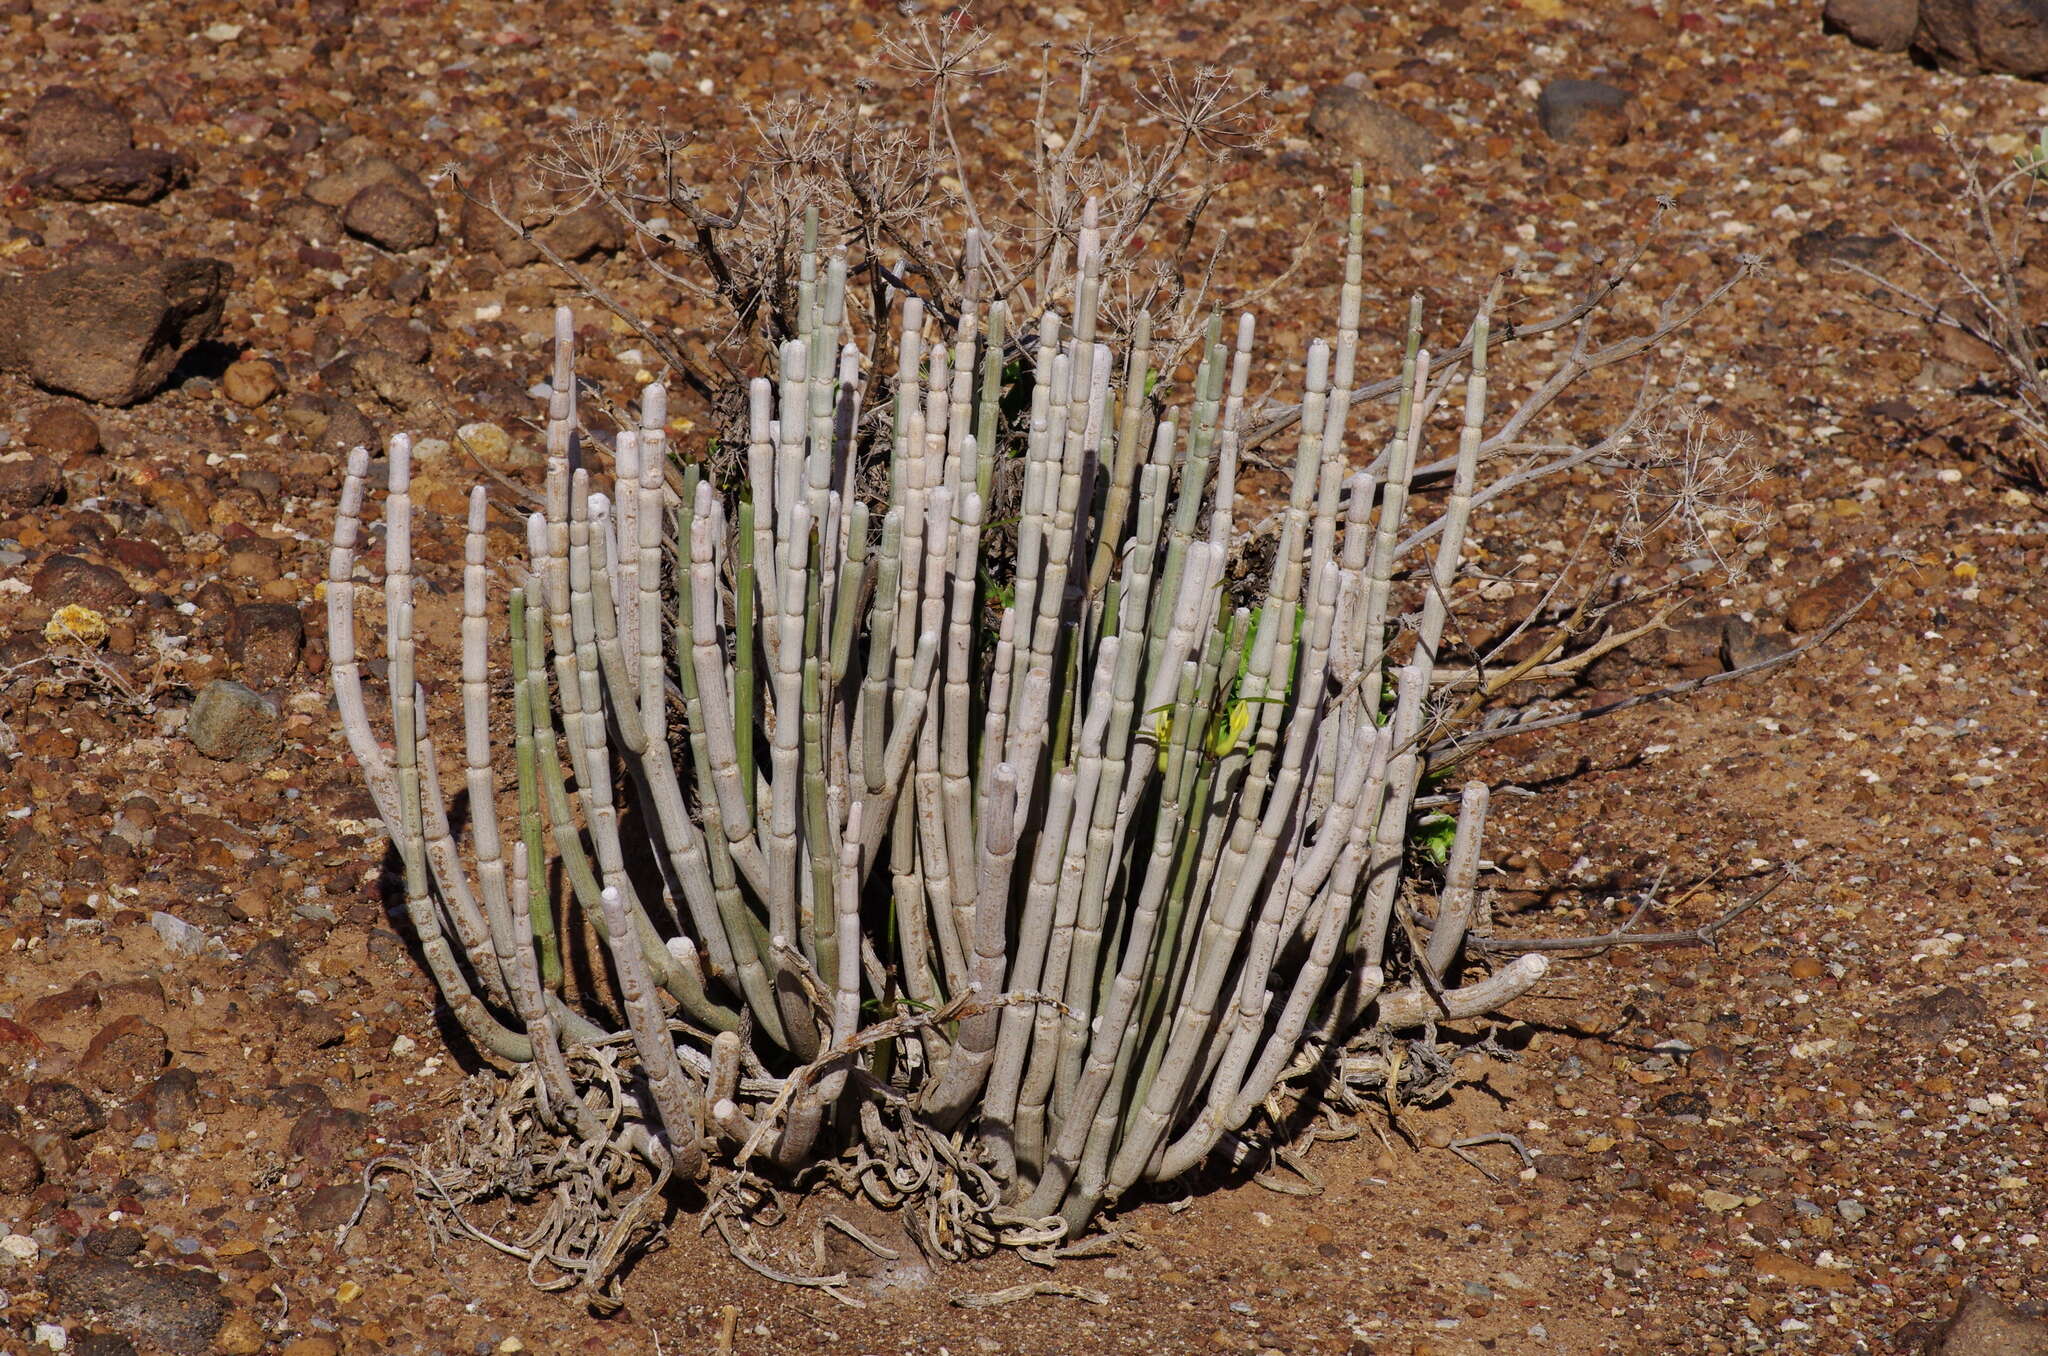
(2006, 37)
(1360, 128)
(110, 332)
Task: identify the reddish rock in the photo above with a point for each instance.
(327, 1134)
(109, 332)
(72, 579)
(1822, 603)
(63, 428)
(127, 1052)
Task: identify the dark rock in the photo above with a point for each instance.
(1886, 25)
(64, 428)
(64, 1108)
(232, 723)
(171, 1307)
(1565, 1167)
(1932, 1016)
(74, 124)
(1359, 128)
(126, 1052)
(123, 1240)
(174, 1100)
(327, 1134)
(1983, 1326)
(20, 1171)
(29, 482)
(1834, 244)
(134, 176)
(510, 184)
(109, 332)
(1584, 112)
(2006, 37)
(1744, 643)
(393, 215)
(72, 579)
(95, 1343)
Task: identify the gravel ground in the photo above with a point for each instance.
(1818, 1137)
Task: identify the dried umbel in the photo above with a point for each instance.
(989, 870)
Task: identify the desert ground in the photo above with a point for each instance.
(1824, 1134)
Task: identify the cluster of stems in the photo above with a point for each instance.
(1103, 851)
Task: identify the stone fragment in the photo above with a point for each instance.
(1821, 604)
(124, 1054)
(234, 723)
(175, 1308)
(337, 189)
(1360, 128)
(265, 641)
(29, 482)
(2003, 37)
(133, 176)
(250, 382)
(1886, 25)
(65, 123)
(67, 580)
(110, 332)
(408, 338)
(330, 1207)
(1931, 1016)
(174, 1100)
(1584, 112)
(20, 1171)
(346, 429)
(326, 1134)
(393, 215)
(64, 1109)
(64, 428)
(509, 184)
(402, 385)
